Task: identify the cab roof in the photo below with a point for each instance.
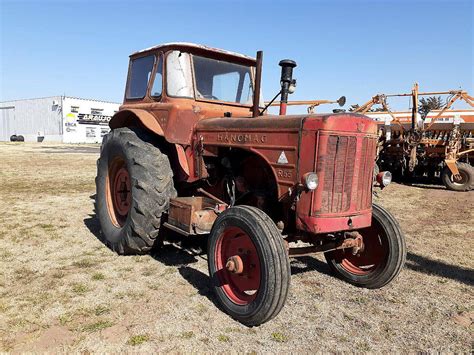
(198, 48)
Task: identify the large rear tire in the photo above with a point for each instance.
(256, 290)
(382, 258)
(134, 185)
(466, 182)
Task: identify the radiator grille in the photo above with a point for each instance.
(364, 194)
(345, 178)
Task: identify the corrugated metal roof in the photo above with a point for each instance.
(80, 98)
(58, 96)
(34, 98)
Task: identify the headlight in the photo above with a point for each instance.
(311, 180)
(384, 178)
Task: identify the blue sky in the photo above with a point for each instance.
(351, 48)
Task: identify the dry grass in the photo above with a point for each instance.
(61, 289)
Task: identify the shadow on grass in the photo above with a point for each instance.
(421, 182)
(302, 264)
(433, 186)
(182, 255)
(92, 223)
(433, 267)
(176, 251)
(200, 281)
(178, 254)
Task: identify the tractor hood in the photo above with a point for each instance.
(286, 143)
(346, 122)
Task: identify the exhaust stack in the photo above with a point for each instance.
(287, 82)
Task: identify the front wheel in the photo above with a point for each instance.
(382, 257)
(248, 265)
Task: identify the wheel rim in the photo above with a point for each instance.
(238, 265)
(373, 255)
(119, 192)
(461, 181)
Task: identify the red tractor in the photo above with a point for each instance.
(191, 151)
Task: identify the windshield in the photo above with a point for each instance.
(140, 71)
(223, 81)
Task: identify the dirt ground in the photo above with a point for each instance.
(61, 289)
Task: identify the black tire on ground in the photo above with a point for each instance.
(13, 138)
(467, 178)
(381, 260)
(20, 138)
(134, 185)
(260, 293)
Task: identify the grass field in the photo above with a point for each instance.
(61, 289)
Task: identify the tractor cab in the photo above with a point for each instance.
(199, 76)
(182, 83)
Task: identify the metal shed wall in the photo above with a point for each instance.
(32, 118)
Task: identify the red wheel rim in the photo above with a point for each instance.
(240, 288)
(119, 192)
(373, 255)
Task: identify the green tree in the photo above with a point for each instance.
(353, 107)
(428, 104)
(377, 109)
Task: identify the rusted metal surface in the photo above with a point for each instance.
(352, 240)
(194, 215)
(343, 157)
(258, 79)
(174, 118)
(429, 143)
(193, 46)
(211, 196)
(265, 136)
(312, 104)
(235, 264)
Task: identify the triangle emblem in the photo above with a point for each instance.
(282, 159)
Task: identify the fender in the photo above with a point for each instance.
(125, 118)
(128, 117)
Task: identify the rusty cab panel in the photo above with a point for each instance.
(163, 107)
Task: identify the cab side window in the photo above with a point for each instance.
(157, 88)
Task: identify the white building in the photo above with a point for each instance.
(56, 119)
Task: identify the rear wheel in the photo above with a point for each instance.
(134, 185)
(382, 257)
(464, 183)
(248, 265)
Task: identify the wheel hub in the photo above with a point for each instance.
(235, 265)
(459, 179)
(122, 192)
(365, 252)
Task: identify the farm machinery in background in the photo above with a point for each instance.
(439, 144)
(191, 151)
